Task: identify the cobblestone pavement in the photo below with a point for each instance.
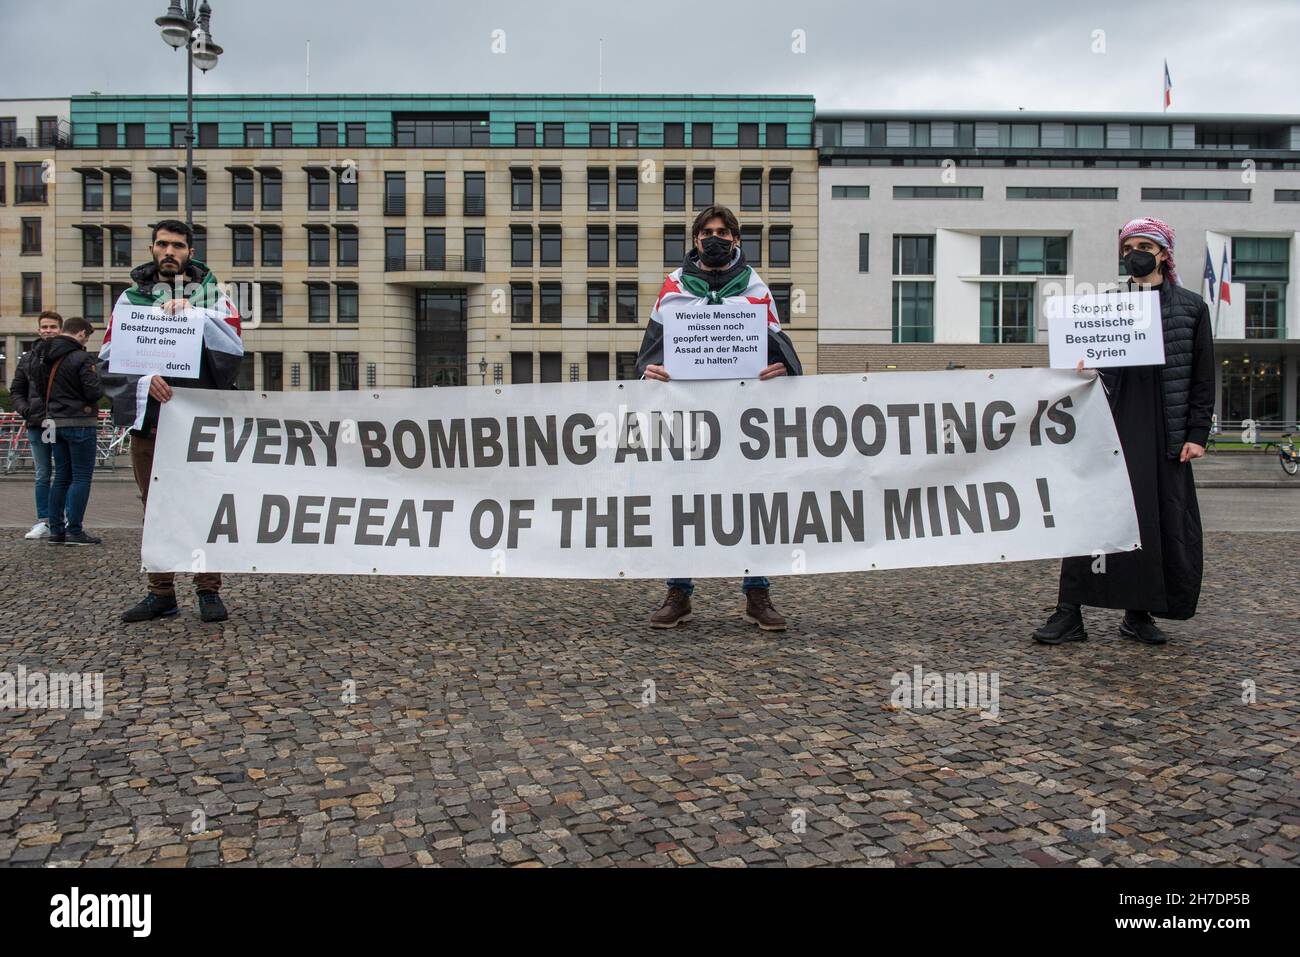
(510, 722)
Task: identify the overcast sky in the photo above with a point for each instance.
(1238, 56)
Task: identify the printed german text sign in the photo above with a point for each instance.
(1105, 329)
(723, 341)
(148, 341)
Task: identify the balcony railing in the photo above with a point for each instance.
(435, 205)
(45, 138)
(475, 206)
(434, 264)
(31, 194)
(395, 205)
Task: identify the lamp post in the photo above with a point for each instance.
(482, 369)
(190, 28)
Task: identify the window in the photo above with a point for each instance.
(394, 193)
(597, 245)
(626, 191)
(1006, 312)
(1085, 136)
(120, 240)
(526, 134)
(776, 136)
(167, 189)
(629, 136)
(272, 295)
(521, 367)
(850, 192)
(751, 241)
(781, 302)
(349, 309)
(199, 192)
(435, 247)
(674, 138)
(521, 245)
(207, 135)
(599, 135)
(626, 246)
(134, 136)
(598, 302)
(913, 319)
(92, 190)
(29, 185)
(273, 371)
(241, 238)
(552, 245)
(475, 194)
(241, 189)
(31, 238)
(8, 131)
(625, 366)
(1062, 192)
(92, 246)
(552, 189)
(521, 302)
(346, 189)
(318, 302)
(395, 247)
(1286, 195)
(318, 189)
(318, 246)
(598, 189)
(318, 364)
(272, 190)
(751, 189)
(1264, 265)
(178, 135)
(1024, 135)
(552, 366)
(1022, 255)
(254, 135)
(272, 246)
(674, 245)
(521, 189)
(3, 185)
(702, 135)
(200, 244)
(244, 377)
(1149, 137)
(356, 134)
(435, 194)
(119, 198)
(597, 366)
(552, 134)
(31, 293)
(348, 244)
(348, 378)
(552, 301)
(963, 135)
(702, 188)
(778, 246)
(918, 134)
(864, 252)
(475, 251)
(281, 134)
(913, 255)
(938, 192)
(778, 189)
(625, 304)
(92, 301)
(747, 135)
(674, 188)
(106, 136)
(1197, 195)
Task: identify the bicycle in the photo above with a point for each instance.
(1288, 456)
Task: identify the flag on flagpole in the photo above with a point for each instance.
(1169, 86)
(1225, 277)
(1209, 274)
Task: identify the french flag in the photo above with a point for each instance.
(1169, 87)
(1225, 277)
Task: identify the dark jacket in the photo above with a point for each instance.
(28, 403)
(75, 389)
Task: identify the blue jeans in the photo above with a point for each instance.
(41, 459)
(74, 467)
(688, 586)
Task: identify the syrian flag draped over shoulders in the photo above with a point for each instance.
(223, 345)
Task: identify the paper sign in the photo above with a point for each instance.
(1105, 329)
(724, 341)
(148, 341)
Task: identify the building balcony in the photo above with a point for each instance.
(434, 270)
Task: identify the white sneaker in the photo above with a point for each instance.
(39, 530)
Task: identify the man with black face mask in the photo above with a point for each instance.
(715, 271)
(1162, 415)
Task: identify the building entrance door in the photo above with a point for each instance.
(440, 342)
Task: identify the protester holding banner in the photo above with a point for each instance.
(1162, 415)
(715, 272)
(176, 283)
(29, 402)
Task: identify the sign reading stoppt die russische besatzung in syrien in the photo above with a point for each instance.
(1105, 329)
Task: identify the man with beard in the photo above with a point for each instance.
(713, 272)
(1162, 415)
(177, 282)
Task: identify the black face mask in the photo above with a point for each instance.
(715, 251)
(1140, 263)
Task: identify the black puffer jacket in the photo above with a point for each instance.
(75, 390)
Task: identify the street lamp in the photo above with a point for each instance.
(482, 369)
(192, 29)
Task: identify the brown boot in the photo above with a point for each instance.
(675, 609)
(759, 610)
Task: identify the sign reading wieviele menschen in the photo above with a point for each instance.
(723, 341)
(1105, 329)
(809, 474)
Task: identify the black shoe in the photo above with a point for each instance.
(153, 606)
(1140, 626)
(1066, 624)
(57, 538)
(80, 538)
(211, 607)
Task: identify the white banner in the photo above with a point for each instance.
(724, 341)
(147, 340)
(827, 473)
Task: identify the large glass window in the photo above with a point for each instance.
(318, 246)
(913, 255)
(552, 296)
(552, 181)
(521, 302)
(627, 190)
(778, 246)
(394, 193)
(674, 245)
(751, 189)
(552, 244)
(778, 189)
(521, 245)
(318, 302)
(435, 194)
(625, 302)
(521, 188)
(702, 188)
(626, 249)
(435, 247)
(348, 302)
(92, 190)
(241, 185)
(674, 188)
(272, 190)
(318, 189)
(475, 250)
(168, 189)
(272, 246)
(242, 242)
(475, 194)
(598, 302)
(913, 312)
(598, 189)
(395, 247)
(1006, 312)
(597, 245)
(460, 130)
(1023, 255)
(348, 245)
